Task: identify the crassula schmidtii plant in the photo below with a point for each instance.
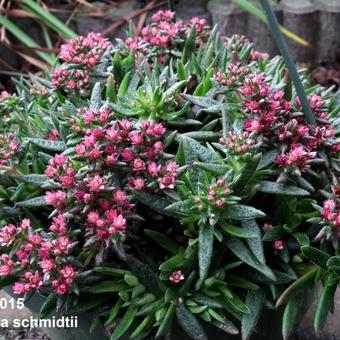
(169, 178)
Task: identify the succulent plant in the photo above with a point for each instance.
(169, 177)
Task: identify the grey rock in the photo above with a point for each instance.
(260, 34)
(302, 18)
(186, 9)
(11, 314)
(229, 17)
(329, 39)
(331, 331)
(86, 23)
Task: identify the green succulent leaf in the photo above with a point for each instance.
(205, 250)
(254, 302)
(316, 255)
(49, 145)
(166, 323)
(48, 306)
(276, 233)
(236, 231)
(125, 323)
(189, 323)
(255, 243)
(33, 202)
(291, 315)
(324, 306)
(242, 212)
(106, 286)
(281, 189)
(241, 251)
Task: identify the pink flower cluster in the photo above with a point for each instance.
(256, 55)
(296, 157)
(80, 56)
(234, 73)
(85, 51)
(331, 212)
(8, 146)
(4, 95)
(164, 32)
(217, 195)
(268, 119)
(238, 143)
(263, 105)
(39, 258)
(176, 276)
(108, 147)
(70, 79)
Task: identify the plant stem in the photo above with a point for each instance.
(171, 5)
(282, 45)
(224, 122)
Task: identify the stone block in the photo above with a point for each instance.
(229, 17)
(302, 18)
(260, 34)
(329, 39)
(331, 331)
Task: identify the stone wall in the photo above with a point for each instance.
(316, 21)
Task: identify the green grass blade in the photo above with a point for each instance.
(249, 7)
(49, 19)
(282, 45)
(24, 38)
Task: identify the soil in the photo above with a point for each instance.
(21, 334)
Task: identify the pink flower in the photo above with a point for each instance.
(296, 157)
(25, 224)
(60, 287)
(68, 273)
(58, 160)
(58, 225)
(96, 183)
(7, 235)
(34, 280)
(138, 165)
(117, 221)
(136, 138)
(61, 245)
(45, 249)
(4, 95)
(176, 276)
(163, 16)
(153, 169)
(112, 134)
(54, 135)
(56, 198)
(47, 265)
(136, 183)
(127, 155)
(253, 126)
(279, 245)
(93, 217)
(267, 226)
(35, 239)
(153, 129)
(6, 269)
(167, 181)
(20, 288)
(171, 167)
